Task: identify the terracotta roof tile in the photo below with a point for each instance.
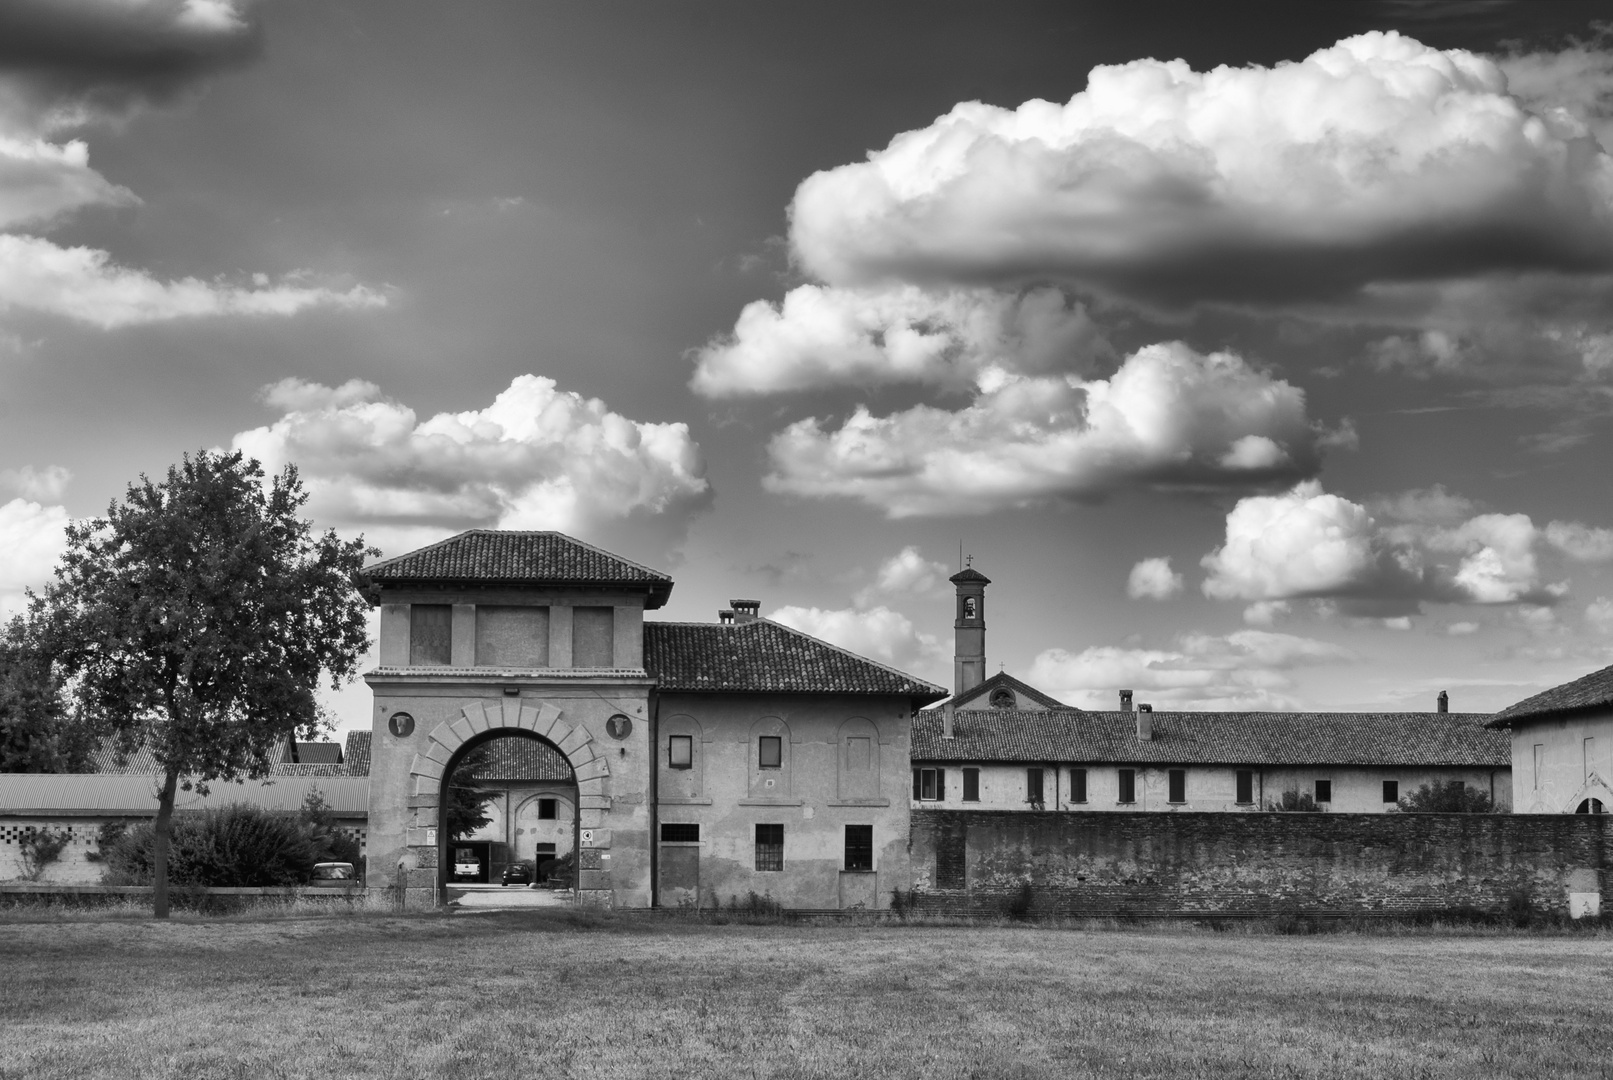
(767, 656)
(358, 753)
(1587, 692)
(523, 758)
(526, 558)
(1232, 738)
(982, 693)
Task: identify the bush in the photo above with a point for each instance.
(1293, 800)
(330, 842)
(1018, 906)
(106, 837)
(1452, 797)
(902, 902)
(234, 846)
(39, 848)
(755, 905)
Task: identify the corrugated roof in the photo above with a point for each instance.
(525, 558)
(115, 795)
(982, 694)
(1591, 691)
(765, 656)
(1232, 738)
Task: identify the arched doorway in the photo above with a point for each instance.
(500, 814)
(1591, 806)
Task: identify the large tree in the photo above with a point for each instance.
(38, 732)
(199, 616)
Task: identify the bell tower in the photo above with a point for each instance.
(969, 659)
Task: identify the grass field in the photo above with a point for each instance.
(551, 994)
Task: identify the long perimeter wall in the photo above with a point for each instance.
(1078, 864)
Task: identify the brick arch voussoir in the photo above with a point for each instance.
(547, 721)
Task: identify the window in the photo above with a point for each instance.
(1033, 787)
(859, 847)
(770, 752)
(1003, 698)
(930, 785)
(677, 832)
(1391, 791)
(1324, 791)
(430, 634)
(680, 752)
(593, 637)
(1178, 792)
(512, 637)
(1540, 752)
(546, 809)
(1078, 785)
(971, 785)
(969, 608)
(1246, 786)
(769, 847)
(1128, 785)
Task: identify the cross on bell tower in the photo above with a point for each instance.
(969, 659)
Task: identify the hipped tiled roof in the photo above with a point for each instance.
(1232, 738)
(1588, 692)
(87, 794)
(765, 656)
(495, 556)
(980, 696)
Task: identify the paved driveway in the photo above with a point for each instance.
(502, 898)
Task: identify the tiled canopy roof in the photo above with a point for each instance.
(763, 655)
(1233, 738)
(981, 695)
(1588, 692)
(520, 558)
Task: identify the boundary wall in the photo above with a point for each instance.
(977, 862)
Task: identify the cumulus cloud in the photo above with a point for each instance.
(1375, 161)
(1582, 543)
(907, 572)
(40, 485)
(1153, 579)
(1168, 418)
(537, 457)
(878, 632)
(1429, 546)
(821, 336)
(1599, 614)
(1242, 670)
(33, 537)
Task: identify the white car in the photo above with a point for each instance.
(466, 864)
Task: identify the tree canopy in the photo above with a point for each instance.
(1451, 797)
(465, 804)
(38, 731)
(198, 617)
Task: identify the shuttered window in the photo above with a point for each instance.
(1178, 780)
(1078, 785)
(1033, 786)
(1246, 786)
(1128, 785)
(971, 785)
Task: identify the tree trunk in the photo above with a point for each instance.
(159, 843)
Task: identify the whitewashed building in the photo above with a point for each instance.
(1561, 743)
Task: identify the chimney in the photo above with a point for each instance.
(746, 610)
(726, 616)
(1125, 701)
(947, 711)
(1444, 702)
(1145, 723)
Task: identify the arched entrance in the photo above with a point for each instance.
(478, 722)
(508, 807)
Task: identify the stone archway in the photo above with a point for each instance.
(545, 720)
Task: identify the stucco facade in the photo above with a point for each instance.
(1560, 763)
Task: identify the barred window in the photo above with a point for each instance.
(769, 847)
(859, 847)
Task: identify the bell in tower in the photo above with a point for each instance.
(969, 661)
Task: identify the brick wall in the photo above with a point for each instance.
(974, 861)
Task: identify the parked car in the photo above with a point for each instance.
(466, 865)
(517, 873)
(333, 875)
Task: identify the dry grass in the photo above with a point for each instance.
(559, 994)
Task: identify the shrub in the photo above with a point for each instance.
(1018, 905)
(106, 837)
(1293, 800)
(234, 846)
(755, 905)
(1452, 797)
(330, 842)
(901, 902)
(39, 848)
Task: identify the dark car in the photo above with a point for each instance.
(517, 873)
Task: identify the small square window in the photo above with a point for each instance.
(971, 785)
(546, 809)
(1178, 781)
(1391, 791)
(680, 752)
(1078, 785)
(770, 847)
(1128, 785)
(1324, 791)
(770, 752)
(859, 847)
(678, 832)
(1246, 786)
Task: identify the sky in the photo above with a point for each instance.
(1261, 355)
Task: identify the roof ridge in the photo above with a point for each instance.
(422, 550)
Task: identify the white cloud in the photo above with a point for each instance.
(829, 337)
(33, 539)
(1153, 579)
(537, 457)
(41, 181)
(907, 572)
(1168, 418)
(1462, 629)
(40, 485)
(1267, 612)
(1376, 160)
(1242, 670)
(879, 633)
(1599, 614)
(1582, 543)
(84, 284)
(1577, 79)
